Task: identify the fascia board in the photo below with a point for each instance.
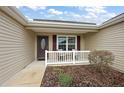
(59, 25)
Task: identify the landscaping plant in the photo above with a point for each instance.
(65, 80)
(101, 59)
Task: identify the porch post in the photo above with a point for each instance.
(45, 58)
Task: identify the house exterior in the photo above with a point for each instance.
(22, 42)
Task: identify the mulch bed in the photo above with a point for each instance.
(83, 76)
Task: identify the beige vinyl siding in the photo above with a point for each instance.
(110, 38)
(82, 42)
(16, 47)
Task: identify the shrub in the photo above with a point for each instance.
(65, 80)
(101, 59)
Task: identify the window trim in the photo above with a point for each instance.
(67, 40)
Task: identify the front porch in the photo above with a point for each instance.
(56, 48)
(60, 36)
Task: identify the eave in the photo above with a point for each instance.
(60, 28)
(15, 14)
(112, 21)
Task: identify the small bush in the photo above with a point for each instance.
(65, 80)
(101, 59)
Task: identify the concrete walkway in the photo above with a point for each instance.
(30, 76)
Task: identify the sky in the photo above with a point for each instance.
(93, 14)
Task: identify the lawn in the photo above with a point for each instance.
(83, 76)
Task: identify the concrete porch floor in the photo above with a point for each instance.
(30, 76)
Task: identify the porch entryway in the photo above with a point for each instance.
(42, 45)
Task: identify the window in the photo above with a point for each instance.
(71, 43)
(62, 43)
(66, 43)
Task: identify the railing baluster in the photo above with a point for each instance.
(83, 56)
(81, 59)
(55, 56)
(73, 57)
(64, 57)
(52, 56)
(67, 57)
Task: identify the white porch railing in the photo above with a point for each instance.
(64, 57)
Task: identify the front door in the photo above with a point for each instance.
(42, 45)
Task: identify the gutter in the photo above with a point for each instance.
(53, 25)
